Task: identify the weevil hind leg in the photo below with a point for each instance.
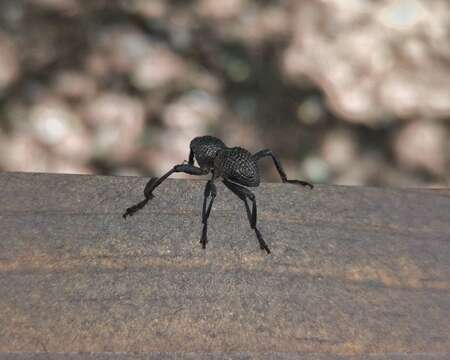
(243, 193)
(277, 162)
(210, 192)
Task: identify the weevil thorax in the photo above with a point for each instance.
(236, 164)
(205, 149)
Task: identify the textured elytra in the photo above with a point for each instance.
(237, 164)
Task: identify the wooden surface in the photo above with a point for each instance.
(353, 271)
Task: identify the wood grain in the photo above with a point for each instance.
(353, 271)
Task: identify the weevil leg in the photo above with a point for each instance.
(191, 157)
(155, 182)
(277, 162)
(210, 191)
(243, 193)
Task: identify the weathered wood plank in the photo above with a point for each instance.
(352, 271)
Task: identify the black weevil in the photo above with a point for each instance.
(238, 169)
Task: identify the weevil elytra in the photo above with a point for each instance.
(237, 168)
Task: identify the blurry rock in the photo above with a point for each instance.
(204, 80)
(54, 124)
(274, 21)
(402, 15)
(237, 132)
(16, 115)
(148, 9)
(238, 70)
(310, 111)
(154, 103)
(97, 65)
(245, 107)
(185, 62)
(365, 170)
(398, 93)
(11, 13)
(58, 5)
(21, 152)
(9, 62)
(339, 149)
(157, 68)
(220, 9)
(395, 177)
(423, 144)
(53, 33)
(258, 24)
(62, 166)
(117, 121)
(196, 110)
(370, 59)
(51, 121)
(316, 169)
(122, 46)
(77, 147)
(74, 85)
(409, 93)
(180, 25)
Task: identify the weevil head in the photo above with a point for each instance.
(205, 149)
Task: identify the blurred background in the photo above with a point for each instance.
(345, 91)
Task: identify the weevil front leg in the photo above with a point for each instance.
(155, 182)
(210, 192)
